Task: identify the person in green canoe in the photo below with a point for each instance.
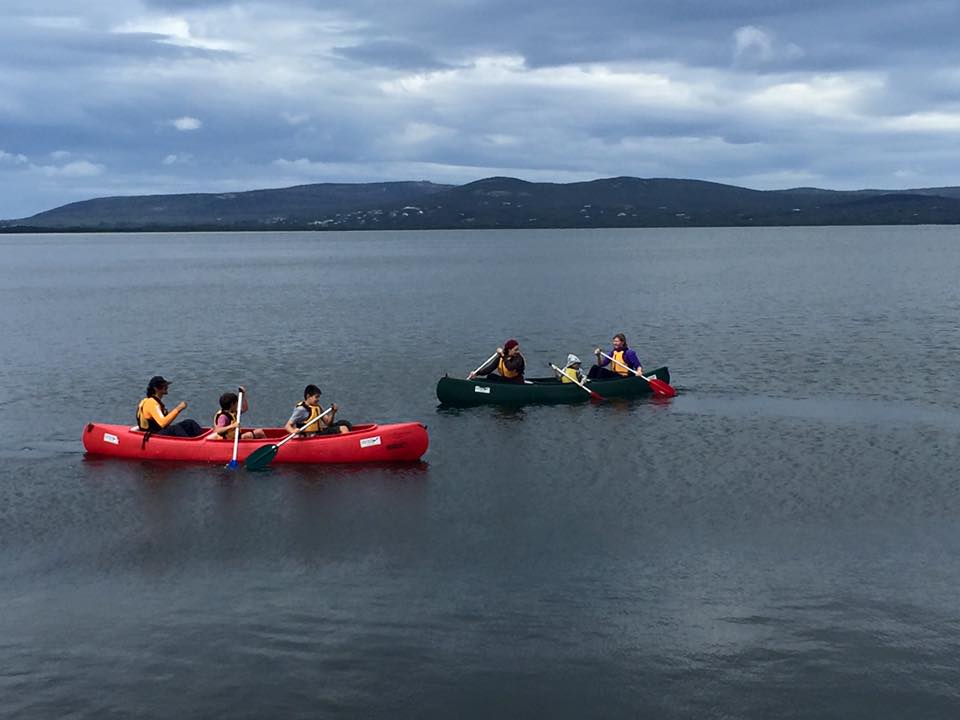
(572, 371)
(508, 364)
(625, 362)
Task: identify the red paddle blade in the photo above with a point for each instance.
(596, 397)
(661, 388)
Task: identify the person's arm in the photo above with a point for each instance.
(246, 406)
(601, 360)
(299, 415)
(514, 363)
(633, 361)
(163, 420)
(327, 420)
(489, 367)
(223, 427)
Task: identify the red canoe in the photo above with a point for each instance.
(365, 443)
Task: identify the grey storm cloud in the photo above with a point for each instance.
(121, 96)
(841, 34)
(391, 54)
(60, 48)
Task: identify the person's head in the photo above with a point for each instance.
(228, 402)
(511, 347)
(311, 395)
(619, 341)
(573, 361)
(157, 387)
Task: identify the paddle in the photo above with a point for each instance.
(236, 433)
(658, 386)
(261, 457)
(485, 363)
(593, 395)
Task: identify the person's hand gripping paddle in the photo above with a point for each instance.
(261, 457)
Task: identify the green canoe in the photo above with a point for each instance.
(463, 393)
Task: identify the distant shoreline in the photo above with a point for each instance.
(221, 229)
(497, 203)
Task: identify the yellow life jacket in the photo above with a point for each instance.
(619, 369)
(144, 421)
(504, 372)
(314, 411)
(231, 417)
(569, 375)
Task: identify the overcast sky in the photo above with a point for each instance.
(113, 97)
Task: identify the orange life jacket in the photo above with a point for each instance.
(314, 411)
(620, 369)
(504, 372)
(144, 421)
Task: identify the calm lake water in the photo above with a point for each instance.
(782, 540)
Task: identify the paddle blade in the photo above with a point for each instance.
(232, 465)
(596, 397)
(661, 388)
(261, 457)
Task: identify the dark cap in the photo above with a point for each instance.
(158, 381)
(511, 343)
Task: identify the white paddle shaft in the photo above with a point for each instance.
(626, 367)
(236, 433)
(485, 363)
(301, 429)
(572, 379)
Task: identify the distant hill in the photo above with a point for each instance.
(501, 202)
(254, 208)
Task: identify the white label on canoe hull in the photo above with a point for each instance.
(112, 439)
(481, 389)
(370, 442)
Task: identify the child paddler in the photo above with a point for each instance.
(153, 417)
(509, 365)
(604, 369)
(225, 423)
(307, 410)
(571, 371)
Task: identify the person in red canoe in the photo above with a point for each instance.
(307, 410)
(509, 365)
(622, 354)
(152, 416)
(225, 423)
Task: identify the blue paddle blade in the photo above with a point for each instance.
(232, 464)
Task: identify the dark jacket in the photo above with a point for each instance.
(514, 363)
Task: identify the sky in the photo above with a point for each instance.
(127, 97)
